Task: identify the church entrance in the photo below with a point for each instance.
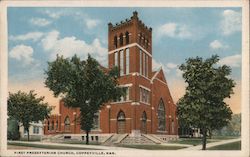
(144, 123)
(121, 123)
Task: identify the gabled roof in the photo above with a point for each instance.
(159, 74)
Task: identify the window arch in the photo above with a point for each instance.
(121, 39)
(121, 116)
(67, 124)
(127, 37)
(161, 116)
(115, 41)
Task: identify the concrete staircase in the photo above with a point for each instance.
(115, 139)
(140, 139)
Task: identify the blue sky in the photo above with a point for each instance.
(36, 35)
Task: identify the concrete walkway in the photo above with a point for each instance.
(199, 147)
(74, 145)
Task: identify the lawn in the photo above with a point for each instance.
(78, 142)
(192, 141)
(47, 146)
(224, 137)
(153, 147)
(229, 146)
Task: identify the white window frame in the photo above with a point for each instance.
(127, 60)
(121, 62)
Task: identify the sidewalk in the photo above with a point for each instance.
(74, 145)
(199, 147)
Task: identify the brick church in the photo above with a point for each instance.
(147, 108)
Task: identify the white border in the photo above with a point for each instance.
(138, 3)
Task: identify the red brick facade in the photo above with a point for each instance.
(148, 108)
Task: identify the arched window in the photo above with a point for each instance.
(161, 116)
(56, 124)
(121, 123)
(121, 39)
(121, 116)
(48, 125)
(115, 41)
(140, 38)
(67, 124)
(127, 38)
(52, 127)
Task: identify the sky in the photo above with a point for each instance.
(37, 34)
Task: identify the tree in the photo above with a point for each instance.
(203, 104)
(83, 84)
(26, 108)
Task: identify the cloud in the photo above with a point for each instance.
(22, 53)
(29, 36)
(174, 30)
(156, 65)
(68, 46)
(41, 22)
(171, 65)
(231, 22)
(216, 44)
(232, 61)
(91, 23)
(54, 14)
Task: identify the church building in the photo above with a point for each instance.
(147, 108)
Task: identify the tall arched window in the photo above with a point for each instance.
(121, 39)
(161, 116)
(121, 123)
(115, 41)
(48, 125)
(67, 124)
(56, 124)
(52, 127)
(127, 61)
(144, 123)
(127, 37)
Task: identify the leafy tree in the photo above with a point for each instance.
(232, 129)
(83, 84)
(12, 129)
(203, 104)
(26, 108)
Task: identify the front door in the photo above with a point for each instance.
(143, 126)
(121, 127)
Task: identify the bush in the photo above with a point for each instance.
(13, 135)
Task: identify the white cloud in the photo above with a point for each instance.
(231, 22)
(68, 46)
(53, 14)
(29, 36)
(232, 61)
(174, 30)
(41, 22)
(22, 53)
(171, 65)
(216, 44)
(156, 65)
(91, 23)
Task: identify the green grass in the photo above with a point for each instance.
(224, 137)
(191, 141)
(153, 147)
(47, 146)
(31, 139)
(78, 142)
(228, 146)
